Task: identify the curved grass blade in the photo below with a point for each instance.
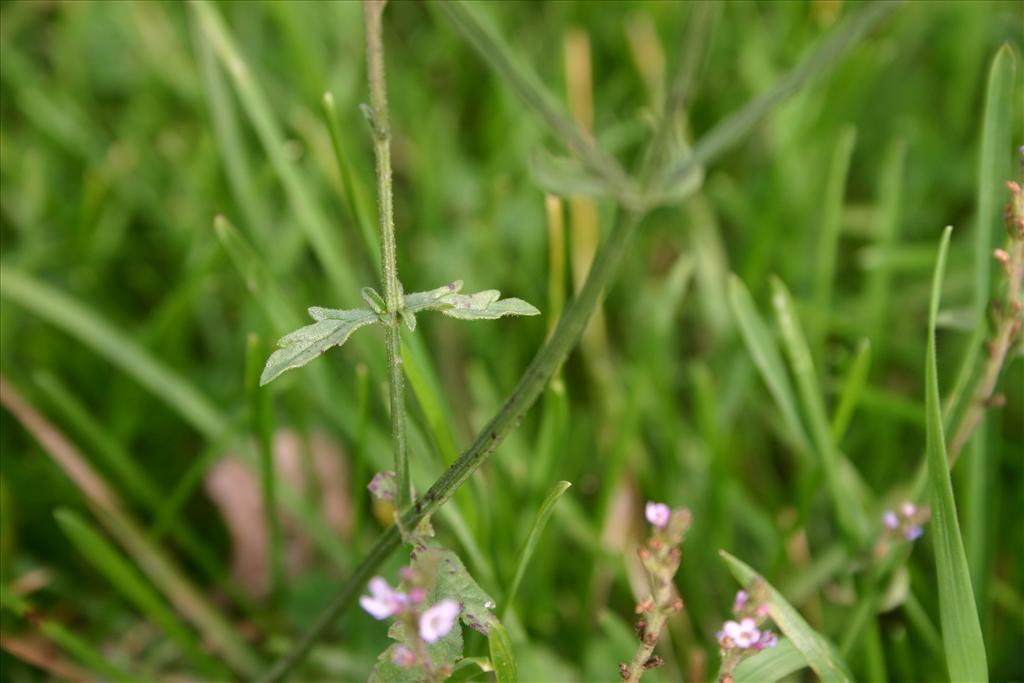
(127, 580)
(847, 508)
(992, 169)
(543, 515)
(765, 353)
(853, 388)
(55, 632)
(770, 665)
(819, 654)
(502, 659)
(961, 630)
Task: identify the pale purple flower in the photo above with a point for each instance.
(658, 514)
(742, 634)
(403, 657)
(383, 601)
(767, 640)
(741, 601)
(908, 509)
(913, 533)
(890, 519)
(437, 621)
(417, 595)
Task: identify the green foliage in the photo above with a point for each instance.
(961, 632)
(818, 653)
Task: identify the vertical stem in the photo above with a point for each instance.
(373, 10)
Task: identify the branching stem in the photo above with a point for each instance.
(373, 11)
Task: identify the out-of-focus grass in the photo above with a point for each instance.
(123, 135)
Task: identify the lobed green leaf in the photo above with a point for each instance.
(333, 327)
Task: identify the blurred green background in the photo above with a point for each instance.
(125, 318)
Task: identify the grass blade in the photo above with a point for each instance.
(770, 665)
(993, 168)
(127, 580)
(765, 353)
(819, 654)
(261, 424)
(853, 388)
(828, 233)
(961, 630)
(502, 659)
(848, 510)
(254, 102)
(55, 632)
(543, 514)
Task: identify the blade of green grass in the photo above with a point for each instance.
(828, 233)
(961, 630)
(502, 658)
(993, 168)
(64, 312)
(127, 580)
(848, 510)
(853, 388)
(819, 654)
(353, 191)
(307, 211)
(543, 515)
(765, 353)
(65, 639)
(770, 665)
(227, 133)
(261, 424)
(116, 346)
(877, 288)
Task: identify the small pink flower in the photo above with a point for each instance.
(908, 509)
(767, 640)
(403, 657)
(742, 634)
(383, 601)
(437, 621)
(741, 601)
(417, 595)
(890, 519)
(658, 514)
(761, 611)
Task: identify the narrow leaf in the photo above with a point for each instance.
(770, 665)
(485, 305)
(502, 659)
(819, 654)
(127, 580)
(847, 508)
(765, 353)
(961, 630)
(333, 328)
(421, 301)
(526, 553)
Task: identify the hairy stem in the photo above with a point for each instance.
(373, 11)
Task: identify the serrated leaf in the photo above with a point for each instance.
(502, 659)
(333, 328)
(420, 301)
(485, 305)
(819, 654)
(445, 652)
(454, 581)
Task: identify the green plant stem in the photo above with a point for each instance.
(563, 339)
(373, 11)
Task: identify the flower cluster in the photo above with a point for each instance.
(906, 521)
(422, 626)
(745, 635)
(660, 557)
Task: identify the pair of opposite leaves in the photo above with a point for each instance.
(334, 326)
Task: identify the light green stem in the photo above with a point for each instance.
(373, 9)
